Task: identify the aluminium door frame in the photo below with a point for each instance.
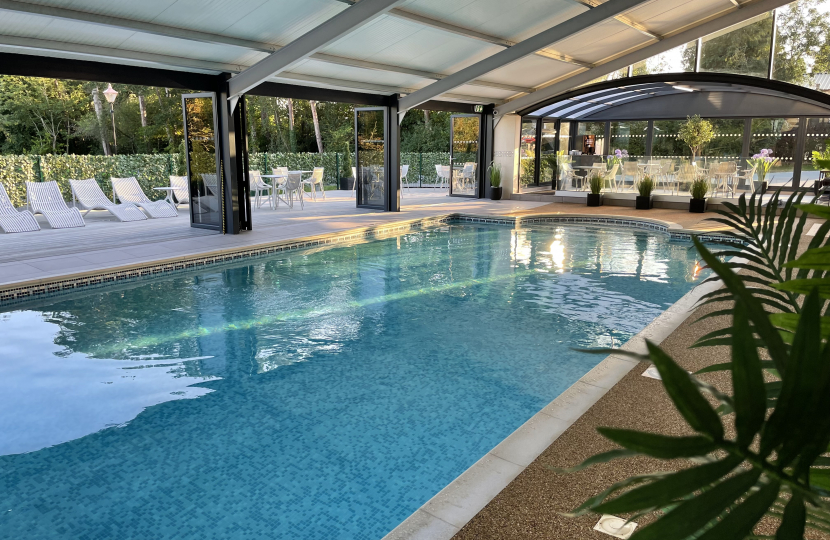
(358, 191)
(477, 191)
(216, 151)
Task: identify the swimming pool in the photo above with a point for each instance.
(325, 393)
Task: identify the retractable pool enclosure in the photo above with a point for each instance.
(641, 116)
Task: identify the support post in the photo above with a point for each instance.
(698, 53)
(798, 151)
(236, 203)
(773, 37)
(649, 138)
(393, 157)
(485, 146)
(537, 165)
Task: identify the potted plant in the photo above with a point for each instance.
(495, 181)
(346, 178)
(595, 183)
(699, 189)
(696, 132)
(763, 162)
(644, 201)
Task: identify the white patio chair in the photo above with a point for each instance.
(45, 198)
(128, 191)
(631, 170)
(566, 174)
(316, 179)
(404, 179)
(12, 220)
(748, 177)
(181, 189)
(292, 187)
(89, 196)
(258, 186)
(609, 178)
(443, 173)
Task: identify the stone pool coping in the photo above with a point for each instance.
(18, 292)
(444, 515)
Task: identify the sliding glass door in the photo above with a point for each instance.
(203, 171)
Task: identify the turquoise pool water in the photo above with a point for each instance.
(315, 395)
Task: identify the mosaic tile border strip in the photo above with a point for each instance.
(27, 292)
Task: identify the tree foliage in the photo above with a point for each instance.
(696, 132)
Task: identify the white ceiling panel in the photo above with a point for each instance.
(680, 13)
(601, 41)
(530, 71)
(515, 21)
(324, 69)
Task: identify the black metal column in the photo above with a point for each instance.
(485, 146)
(236, 205)
(392, 149)
(537, 158)
(798, 151)
(649, 138)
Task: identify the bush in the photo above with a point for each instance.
(596, 183)
(153, 170)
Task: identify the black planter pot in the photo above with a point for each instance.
(644, 203)
(697, 206)
(595, 199)
(495, 193)
(347, 184)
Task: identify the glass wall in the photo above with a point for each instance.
(527, 152)
(677, 60)
(802, 48)
(800, 55)
(629, 136)
(547, 151)
(743, 49)
(779, 136)
(590, 138)
(665, 142)
(818, 139)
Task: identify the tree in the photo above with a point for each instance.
(696, 132)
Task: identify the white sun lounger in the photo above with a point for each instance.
(88, 194)
(12, 220)
(128, 191)
(181, 189)
(45, 198)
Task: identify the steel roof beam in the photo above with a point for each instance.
(623, 19)
(568, 28)
(345, 22)
(161, 60)
(217, 39)
(719, 21)
(474, 34)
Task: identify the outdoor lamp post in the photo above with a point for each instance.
(111, 93)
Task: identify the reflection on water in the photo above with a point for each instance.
(338, 389)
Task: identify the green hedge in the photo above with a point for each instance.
(152, 170)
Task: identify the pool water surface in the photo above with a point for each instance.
(318, 394)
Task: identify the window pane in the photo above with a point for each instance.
(802, 51)
(666, 143)
(590, 138)
(778, 135)
(728, 142)
(547, 169)
(629, 136)
(677, 60)
(818, 139)
(528, 153)
(741, 49)
(614, 75)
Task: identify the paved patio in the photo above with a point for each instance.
(106, 243)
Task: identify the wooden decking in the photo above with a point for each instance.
(107, 243)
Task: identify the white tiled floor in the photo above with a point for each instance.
(106, 243)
